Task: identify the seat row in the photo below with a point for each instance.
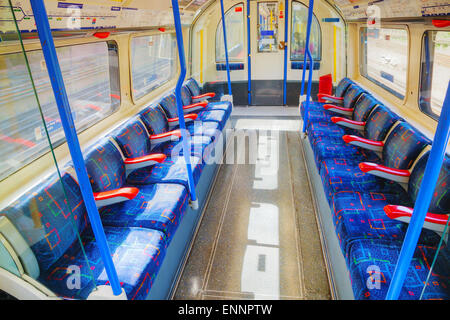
(139, 179)
(371, 163)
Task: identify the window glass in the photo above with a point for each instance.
(153, 62)
(267, 26)
(234, 22)
(385, 58)
(435, 71)
(298, 34)
(90, 73)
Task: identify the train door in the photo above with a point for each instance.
(267, 47)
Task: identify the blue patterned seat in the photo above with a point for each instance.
(154, 207)
(345, 175)
(156, 123)
(137, 254)
(354, 98)
(378, 123)
(372, 264)
(107, 172)
(335, 148)
(401, 149)
(318, 106)
(191, 88)
(172, 170)
(169, 106)
(360, 215)
(155, 120)
(53, 224)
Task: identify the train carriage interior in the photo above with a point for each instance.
(224, 150)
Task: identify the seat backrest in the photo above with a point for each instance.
(169, 105)
(47, 220)
(440, 203)
(403, 146)
(186, 96)
(105, 166)
(351, 95)
(132, 138)
(326, 84)
(342, 87)
(193, 87)
(364, 106)
(379, 122)
(154, 119)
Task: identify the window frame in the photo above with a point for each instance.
(422, 48)
(292, 25)
(363, 61)
(217, 29)
(35, 46)
(134, 99)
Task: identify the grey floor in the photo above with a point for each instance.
(258, 238)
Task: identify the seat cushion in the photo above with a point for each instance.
(156, 206)
(328, 129)
(314, 106)
(209, 129)
(221, 105)
(172, 170)
(219, 116)
(201, 147)
(360, 215)
(344, 175)
(137, 255)
(372, 264)
(320, 115)
(331, 147)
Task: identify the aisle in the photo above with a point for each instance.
(258, 238)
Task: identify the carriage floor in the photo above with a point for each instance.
(258, 238)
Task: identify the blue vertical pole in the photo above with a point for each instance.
(286, 30)
(310, 67)
(308, 92)
(430, 178)
(62, 102)
(186, 147)
(249, 57)
(226, 47)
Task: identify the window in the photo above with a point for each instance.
(267, 26)
(234, 22)
(91, 77)
(435, 72)
(384, 58)
(298, 34)
(153, 62)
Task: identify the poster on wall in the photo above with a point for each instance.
(91, 15)
(357, 9)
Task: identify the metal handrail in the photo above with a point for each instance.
(226, 47)
(184, 136)
(310, 67)
(62, 102)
